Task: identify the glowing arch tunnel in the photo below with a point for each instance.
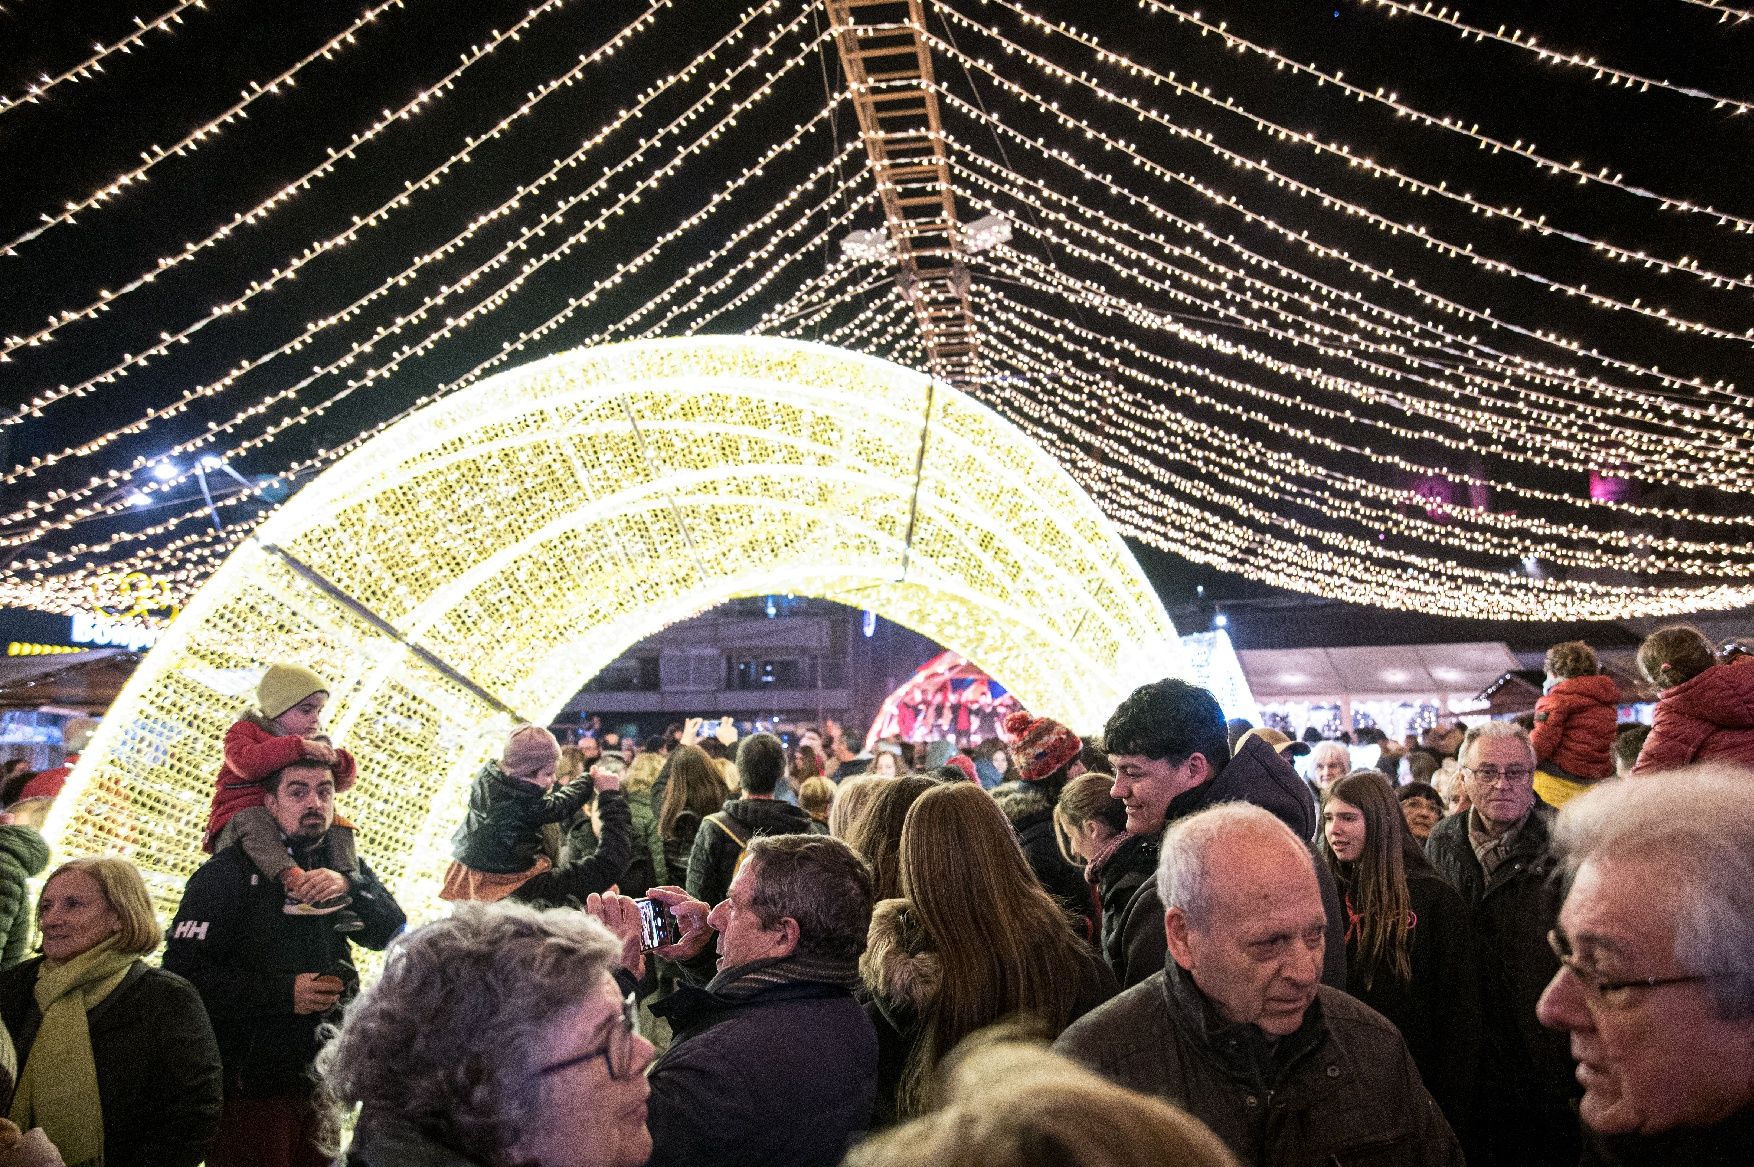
(481, 559)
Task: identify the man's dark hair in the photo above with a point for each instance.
(271, 784)
(818, 881)
(761, 763)
(1169, 720)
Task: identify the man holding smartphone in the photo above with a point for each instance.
(780, 1009)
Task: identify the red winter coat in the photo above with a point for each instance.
(252, 753)
(1574, 727)
(1709, 718)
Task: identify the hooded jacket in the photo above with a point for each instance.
(1707, 718)
(1574, 727)
(1342, 1089)
(713, 860)
(779, 1077)
(903, 977)
(23, 855)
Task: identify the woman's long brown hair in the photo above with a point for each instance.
(1376, 884)
(873, 829)
(695, 785)
(1004, 945)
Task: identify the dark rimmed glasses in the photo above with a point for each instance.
(617, 1050)
(1606, 991)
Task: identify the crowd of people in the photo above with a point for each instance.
(1159, 945)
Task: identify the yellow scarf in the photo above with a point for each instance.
(58, 1089)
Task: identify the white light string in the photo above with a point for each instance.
(1419, 350)
(201, 134)
(306, 466)
(258, 214)
(1350, 155)
(1527, 447)
(1530, 43)
(1223, 455)
(315, 327)
(1330, 202)
(1518, 148)
(1158, 388)
(1621, 445)
(490, 303)
(1725, 13)
(1482, 317)
(93, 65)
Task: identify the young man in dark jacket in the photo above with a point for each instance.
(1171, 754)
(270, 980)
(773, 1062)
(719, 844)
(1237, 1027)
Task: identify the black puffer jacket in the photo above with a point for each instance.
(1133, 942)
(1511, 915)
(713, 859)
(502, 833)
(1342, 1089)
(1032, 818)
(158, 1076)
(23, 855)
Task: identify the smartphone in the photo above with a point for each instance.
(657, 925)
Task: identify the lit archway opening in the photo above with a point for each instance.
(478, 561)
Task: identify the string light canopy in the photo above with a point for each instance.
(1376, 325)
(601, 495)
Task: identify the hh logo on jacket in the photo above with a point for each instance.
(190, 930)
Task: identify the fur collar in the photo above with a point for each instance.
(894, 967)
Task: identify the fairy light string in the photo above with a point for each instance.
(1623, 78)
(203, 133)
(400, 279)
(263, 210)
(89, 68)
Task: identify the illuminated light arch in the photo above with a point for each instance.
(482, 558)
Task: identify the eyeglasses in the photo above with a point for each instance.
(1492, 775)
(617, 1049)
(1608, 992)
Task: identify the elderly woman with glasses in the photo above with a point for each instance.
(498, 1037)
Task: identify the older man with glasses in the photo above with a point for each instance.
(1656, 989)
(1496, 855)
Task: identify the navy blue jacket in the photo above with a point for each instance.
(785, 1078)
(242, 953)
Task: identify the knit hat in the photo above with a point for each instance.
(284, 686)
(964, 763)
(530, 750)
(1039, 745)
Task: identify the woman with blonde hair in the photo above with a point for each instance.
(117, 1061)
(972, 940)
(1010, 1103)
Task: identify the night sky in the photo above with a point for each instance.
(83, 134)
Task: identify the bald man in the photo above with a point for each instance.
(1238, 1029)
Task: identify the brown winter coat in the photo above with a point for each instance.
(1574, 727)
(1709, 718)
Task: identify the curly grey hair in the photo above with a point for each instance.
(1699, 824)
(448, 1038)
